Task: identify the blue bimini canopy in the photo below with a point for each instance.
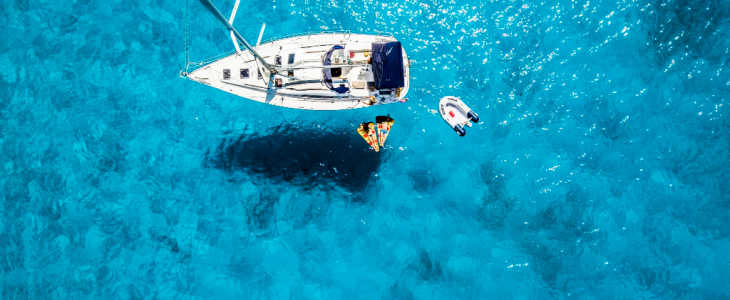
(387, 64)
(327, 72)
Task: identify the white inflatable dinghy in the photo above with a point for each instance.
(457, 114)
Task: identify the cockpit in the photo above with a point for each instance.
(335, 65)
(379, 68)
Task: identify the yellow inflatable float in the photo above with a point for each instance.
(384, 125)
(376, 139)
(367, 132)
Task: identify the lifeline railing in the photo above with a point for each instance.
(197, 64)
(349, 32)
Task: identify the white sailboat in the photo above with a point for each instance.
(325, 71)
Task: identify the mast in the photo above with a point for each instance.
(230, 27)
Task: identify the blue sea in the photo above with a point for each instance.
(600, 168)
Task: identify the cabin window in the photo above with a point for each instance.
(244, 73)
(226, 74)
(291, 59)
(260, 75)
(277, 59)
(336, 72)
(290, 73)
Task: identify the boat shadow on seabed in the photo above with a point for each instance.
(302, 156)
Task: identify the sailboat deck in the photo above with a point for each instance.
(301, 56)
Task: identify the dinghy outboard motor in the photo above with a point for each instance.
(473, 116)
(460, 130)
(457, 114)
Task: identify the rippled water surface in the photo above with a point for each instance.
(600, 168)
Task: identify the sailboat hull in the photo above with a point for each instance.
(302, 85)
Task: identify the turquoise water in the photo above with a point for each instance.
(600, 169)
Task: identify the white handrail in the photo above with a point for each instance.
(261, 33)
(230, 21)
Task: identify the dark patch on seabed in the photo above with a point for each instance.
(303, 156)
(423, 180)
(685, 25)
(496, 206)
(428, 267)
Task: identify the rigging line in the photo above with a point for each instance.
(187, 36)
(209, 5)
